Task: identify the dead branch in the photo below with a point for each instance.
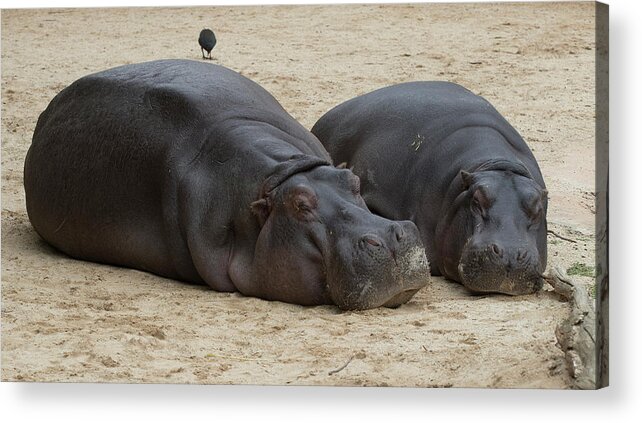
(561, 237)
(331, 372)
(576, 334)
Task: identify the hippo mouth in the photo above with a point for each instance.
(390, 287)
(510, 282)
(401, 298)
(483, 270)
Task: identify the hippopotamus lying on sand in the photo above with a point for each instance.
(194, 172)
(443, 157)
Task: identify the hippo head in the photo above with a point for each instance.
(500, 218)
(321, 244)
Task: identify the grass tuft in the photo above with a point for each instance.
(581, 269)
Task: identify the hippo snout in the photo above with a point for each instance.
(515, 258)
(509, 259)
(504, 268)
(389, 240)
(389, 266)
(393, 238)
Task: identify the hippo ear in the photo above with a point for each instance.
(261, 209)
(466, 178)
(342, 165)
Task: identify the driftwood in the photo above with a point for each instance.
(561, 237)
(576, 334)
(331, 372)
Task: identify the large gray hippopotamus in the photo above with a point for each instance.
(443, 157)
(194, 172)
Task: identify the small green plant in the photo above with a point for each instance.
(581, 269)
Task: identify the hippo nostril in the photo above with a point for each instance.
(496, 250)
(397, 231)
(521, 255)
(374, 242)
(370, 240)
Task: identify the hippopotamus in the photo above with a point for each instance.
(437, 154)
(193, 172)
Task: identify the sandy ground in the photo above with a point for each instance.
(67, 320)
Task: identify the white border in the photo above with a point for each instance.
(159, 403)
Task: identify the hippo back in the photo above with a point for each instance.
(395, 136)
(111, 150)
(411, 117)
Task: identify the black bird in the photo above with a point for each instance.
(207, 41)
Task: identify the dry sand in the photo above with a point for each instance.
(67, 320)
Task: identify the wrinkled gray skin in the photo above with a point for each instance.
(193, 172)
(436, 154)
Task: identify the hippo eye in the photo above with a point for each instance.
(535, 215)
(302, 206)
(480, 203)
(535, 211)
(304, 202)
(476, 207)
(355, 186)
